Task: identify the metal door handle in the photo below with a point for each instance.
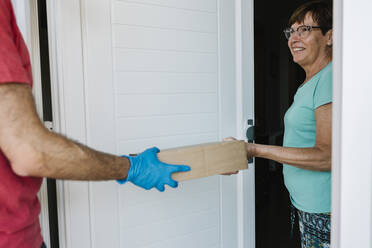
(250, 135)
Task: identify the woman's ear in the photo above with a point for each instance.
(329, 35)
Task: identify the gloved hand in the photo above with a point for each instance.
(147, 171)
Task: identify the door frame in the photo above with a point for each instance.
(58, 43)
(244, 24)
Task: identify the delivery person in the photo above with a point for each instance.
(28, 151)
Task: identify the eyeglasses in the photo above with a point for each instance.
(302, 31)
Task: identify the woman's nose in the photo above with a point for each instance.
(294, 36)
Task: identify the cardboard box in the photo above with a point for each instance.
(207, 159)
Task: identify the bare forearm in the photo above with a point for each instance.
(62, 158)
(72, 160)
(314, 158)
(34, 151)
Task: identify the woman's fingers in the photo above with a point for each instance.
(230, 173)
(228, 139)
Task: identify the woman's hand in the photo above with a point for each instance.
(250, 153)
(229, 139)
(234, 172)
(230, 173)
(250, 147)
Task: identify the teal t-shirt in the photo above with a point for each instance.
(310, 191)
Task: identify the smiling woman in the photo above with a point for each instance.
(307, 143)
(306, 151)
(310, 37)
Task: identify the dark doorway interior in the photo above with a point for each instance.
(276, 80)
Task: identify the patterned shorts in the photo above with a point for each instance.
(315, 229)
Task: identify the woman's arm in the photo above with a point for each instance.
(318, 158)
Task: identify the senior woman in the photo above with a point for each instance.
(306, 151)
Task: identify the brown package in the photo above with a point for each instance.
(207, 159)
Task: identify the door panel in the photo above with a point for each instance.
(165, 82)
(205, 5)
(148, 15)
(154, 73)
(153, 38)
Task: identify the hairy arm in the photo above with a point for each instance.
(317, 158)
(35, 151)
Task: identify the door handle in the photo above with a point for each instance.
(250, 135)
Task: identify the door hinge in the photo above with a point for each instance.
(48, 125)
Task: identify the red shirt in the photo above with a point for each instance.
(19, 205)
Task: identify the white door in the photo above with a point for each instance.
(135, 74)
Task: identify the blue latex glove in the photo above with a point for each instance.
(147, 171)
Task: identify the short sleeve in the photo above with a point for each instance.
(323, 90)
(12, 64)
